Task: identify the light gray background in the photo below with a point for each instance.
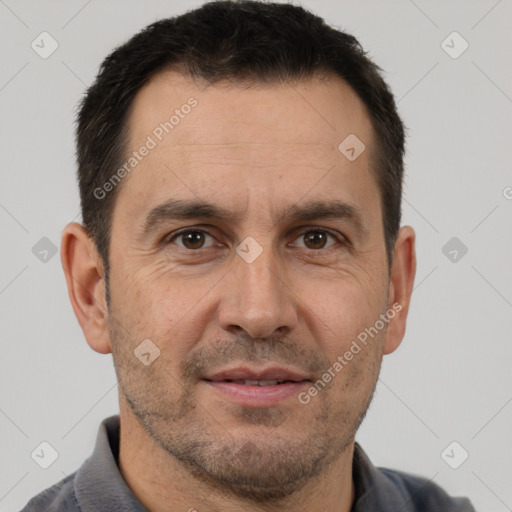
(451, 378)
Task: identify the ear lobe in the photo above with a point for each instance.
(403, 271)
(83, 270)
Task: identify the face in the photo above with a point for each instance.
(252, 298)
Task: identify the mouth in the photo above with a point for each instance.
(246, 382)
(257, 388)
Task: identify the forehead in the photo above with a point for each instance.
(327, 105)
(272, 138)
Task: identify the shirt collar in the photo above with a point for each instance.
(99, 484)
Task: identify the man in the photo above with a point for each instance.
(241, 256)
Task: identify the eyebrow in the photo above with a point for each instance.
(180, 209)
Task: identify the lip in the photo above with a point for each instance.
(246, 373)
(255, 395)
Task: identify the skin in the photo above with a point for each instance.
(300, 303)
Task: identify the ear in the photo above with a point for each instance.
(83, 269)
(403, 270)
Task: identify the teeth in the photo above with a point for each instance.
(268, 382)
(262, 382)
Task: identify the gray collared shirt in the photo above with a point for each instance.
(98, 486)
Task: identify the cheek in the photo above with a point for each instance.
(149, 292)
(170, 310)
(344, 309)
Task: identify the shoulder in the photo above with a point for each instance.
(60, 497)
(389, 490)
(420, 494)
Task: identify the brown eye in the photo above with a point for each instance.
(316, 239)
(191, 239)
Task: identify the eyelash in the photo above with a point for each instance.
(340, 239)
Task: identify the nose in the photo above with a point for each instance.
(257, 298)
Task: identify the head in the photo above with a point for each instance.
(231, 121)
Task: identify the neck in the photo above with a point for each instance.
(158, 480)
